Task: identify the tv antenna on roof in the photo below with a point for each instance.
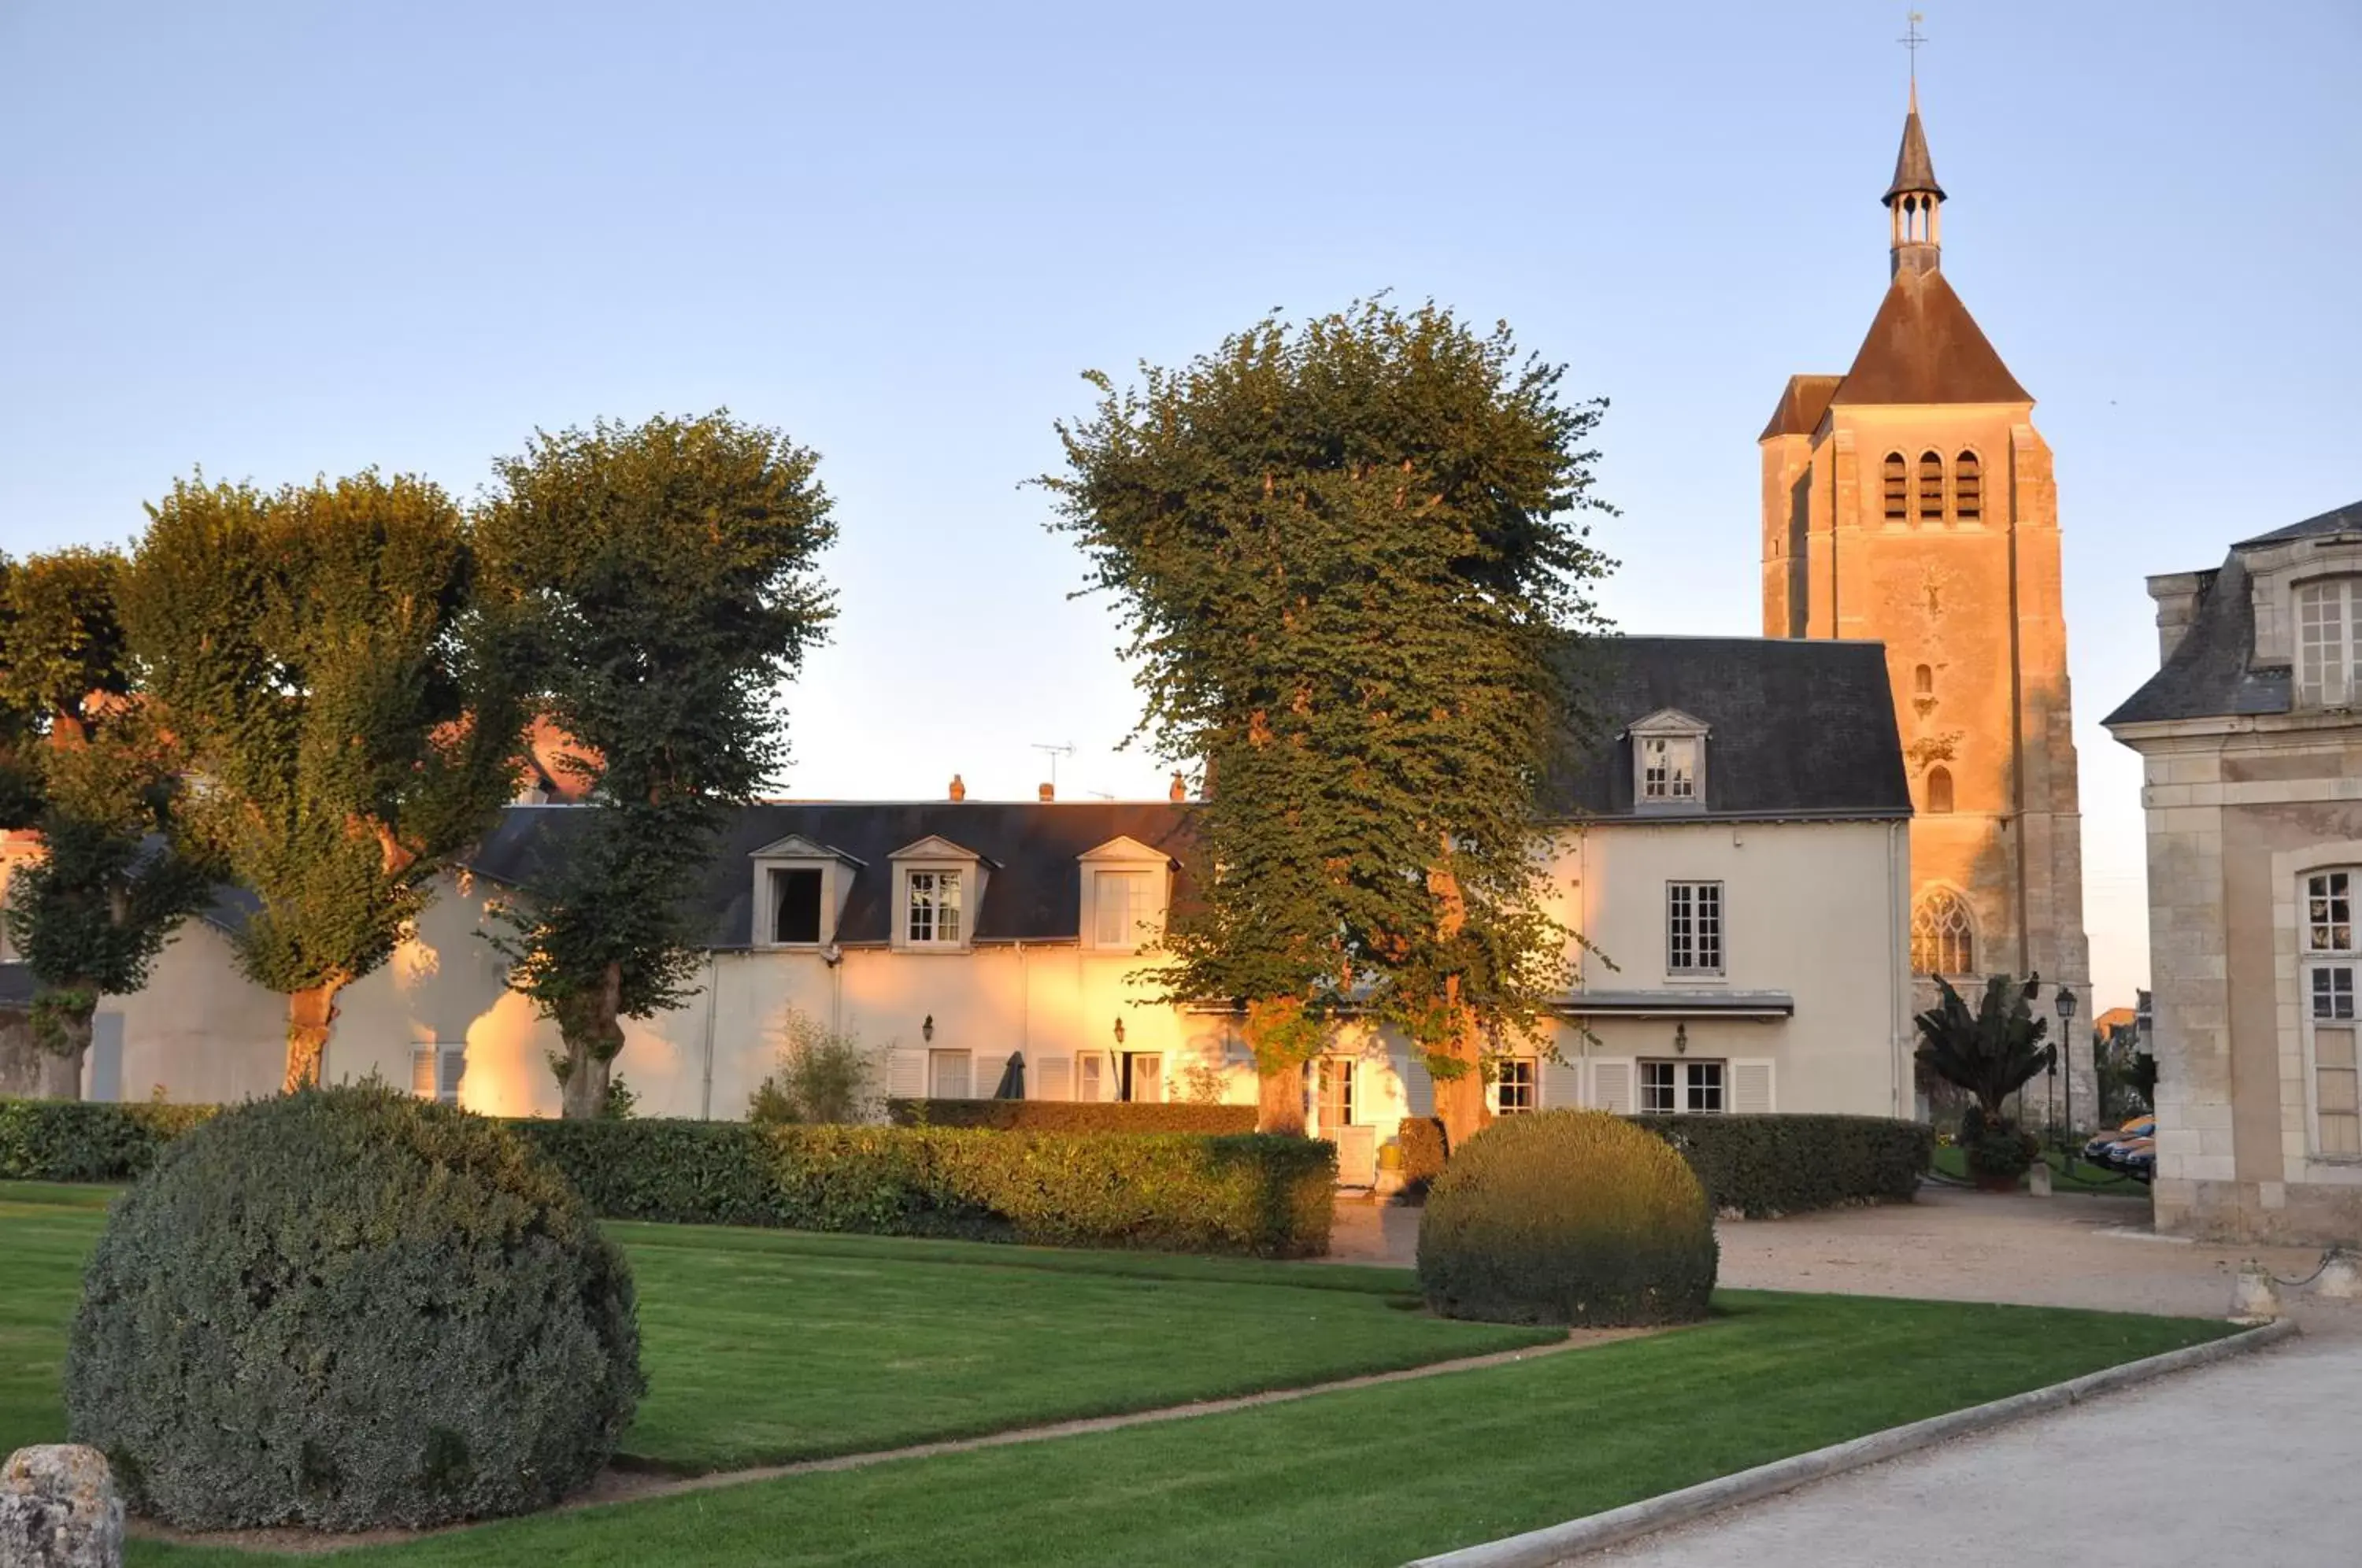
(1054, 753)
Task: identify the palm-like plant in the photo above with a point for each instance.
(1992, 1054)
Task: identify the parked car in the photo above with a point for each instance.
(2108, 1148)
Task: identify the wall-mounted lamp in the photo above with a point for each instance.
(1680, 1038)
(1119, 1031)
(927, 1030)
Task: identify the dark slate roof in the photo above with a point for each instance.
(2346, 519)
(1913, 169)
(1796, 728)
(2210, 674)
(15, 986)
(1924, 347)
(1802, 404)
(1033, 889)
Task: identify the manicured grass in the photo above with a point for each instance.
(1370, 1476)
(761, 1346)
(2086, 1177)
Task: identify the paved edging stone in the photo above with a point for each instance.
(1557, 1543)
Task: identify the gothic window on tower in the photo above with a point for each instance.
(1968, 489)
(2329, 643)
(1923, 682)
(1898, 489)
(1943, 936)
(1931, 487)
(1939, 792)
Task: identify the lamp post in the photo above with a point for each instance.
(2067, 1043)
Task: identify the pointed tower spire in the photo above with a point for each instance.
(1915, 199)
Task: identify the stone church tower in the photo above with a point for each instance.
(1910, 500)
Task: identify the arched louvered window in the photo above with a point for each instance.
(1943, 936)
(1968, 489)
(1931, 487)
(1939, 792)
(1898, 489)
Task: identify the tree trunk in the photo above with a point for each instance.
(592, 1030)
(311, 1014)
(1459, 1100)
(1279, 1102)
(62, 1030)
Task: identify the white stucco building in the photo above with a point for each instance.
(1734, 845)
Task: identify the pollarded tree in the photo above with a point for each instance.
(664, 575)
(1351, 564)
(350, 714)
(96, 779)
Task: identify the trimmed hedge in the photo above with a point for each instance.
(66, 1140)
(348, 1309)
(1421, 1139)
(1571, 1217)
(1071, 1116)
(1763, 1167)
(1272, 1197)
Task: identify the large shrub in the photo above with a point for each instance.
(345, 1309)
(1172, 1192)
(1072, 1115)
(1567, 1217)
(1763, 1167)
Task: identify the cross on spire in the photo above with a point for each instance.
(1911, 39)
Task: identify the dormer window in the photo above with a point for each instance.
(2329, 643)
(795, 903)
(933, 908)
(801, 887)
(1124, 892)
(1669, 762)
(938, 890)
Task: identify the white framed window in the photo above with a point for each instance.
(1122, 903)
(1515, 1083)
(436, 1070)
(951, 1075)
(1694, 928)
(795, 897)
(931, 909)
(1336, 1091)
(2329, 966)
(2329, 643)
(1668, 768)
(1090, 1076)
(1681, 1088)
(1143, 1074)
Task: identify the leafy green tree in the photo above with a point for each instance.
(96, 779)
(1351, 564)
(666, 575)
(350, 713)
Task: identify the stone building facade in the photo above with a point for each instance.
(1910, 500)
(2251, 737)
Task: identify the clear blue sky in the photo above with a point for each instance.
(282, 239)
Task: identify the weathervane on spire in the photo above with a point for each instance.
(1911, 39)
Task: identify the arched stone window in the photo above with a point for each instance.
(1931, 487)
(2329, 643)
(1923, 682)
(1939, 791)
(1898, 489)
(1943, 936)
(1968, 489)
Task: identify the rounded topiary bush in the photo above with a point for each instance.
(1567, 1217)
(345, 1309)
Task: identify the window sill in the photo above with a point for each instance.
(1707, 977)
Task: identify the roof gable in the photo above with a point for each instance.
(1803, 402)
(1923, 347)
(1669, 721)
(796, 846)
(1123, 847)
(934, 846)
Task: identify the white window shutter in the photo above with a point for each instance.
(1750, 1088)
(1053, 1079)
(1611, 1086)
(422, 1071)
(1560, 1084)
(906, 1075)
(1418, 1086)
(1090, 1076)
(451, 1067)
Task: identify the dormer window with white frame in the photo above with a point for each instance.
(938, 890)
(1669, 762)
(801, 887)
(1125, 885)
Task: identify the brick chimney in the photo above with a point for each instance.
(959, 788)
(1049, 793)
(1180, 790)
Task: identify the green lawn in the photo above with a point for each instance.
(2086, 1177)
(763, 1344)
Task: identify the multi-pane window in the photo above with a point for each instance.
(1122, 901)
(935, 912)
(1898, 489)
(1694, 928)
(950, 1075)
(1931, 487)
(1943, 936)
(2329, 643)
(1968, 489)
(1336, 1090)
(1668, 768)
(2331, 958)
(1680, 1088)
(1513, 1086)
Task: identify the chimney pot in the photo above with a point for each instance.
(1049, 791)
(1180, 790)
(959, 788)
